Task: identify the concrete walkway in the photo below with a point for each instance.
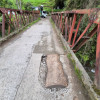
(22, 74)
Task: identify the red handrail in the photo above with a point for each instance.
(16, 18)
(69, 23)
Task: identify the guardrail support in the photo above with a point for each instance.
(97, 72)
(70, 25)
(3, 25)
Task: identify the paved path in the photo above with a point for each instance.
(22, 74)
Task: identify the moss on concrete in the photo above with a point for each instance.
(69, 55)
(31, 24)
(96, 90)
(77, 71)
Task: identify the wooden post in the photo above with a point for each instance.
(3, 25)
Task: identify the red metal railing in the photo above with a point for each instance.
(13, 19)
(69, 24)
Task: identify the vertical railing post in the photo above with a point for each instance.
(66, 27)
(61, 21)
(31, 18)
(71, 29)
(16, 20)
(97, 71)
(9, 27)
(77, 30)
(3, 25)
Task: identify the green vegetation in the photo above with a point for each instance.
(27, 4)
(58, 5)
(77, 71)
(87, 54)
(69, 55)
(96, 90)
(31, 24)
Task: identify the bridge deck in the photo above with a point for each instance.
(21, 76)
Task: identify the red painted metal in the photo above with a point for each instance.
(88, 26)
(16, 18)
(72, 28)
(61, 22)
(3, 25)
(63, 25)
(97, 71)
(9, 27)
(91, 34)
(72, 33)
(66, 27)
(77, 30)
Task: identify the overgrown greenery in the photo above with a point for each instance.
(6, 3)
(96, 90)
(28, 4)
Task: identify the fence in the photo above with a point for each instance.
(13, 19)
(69, 24)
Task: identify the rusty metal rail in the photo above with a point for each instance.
(69, 24)
(13, 19)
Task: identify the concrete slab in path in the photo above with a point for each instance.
(21, 70)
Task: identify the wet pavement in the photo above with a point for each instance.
(22, 73)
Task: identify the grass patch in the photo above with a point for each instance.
(77, 71)
(69, 55)
(52, 22)
(31, 24)
(64, 48)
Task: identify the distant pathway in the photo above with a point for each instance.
(20, 71)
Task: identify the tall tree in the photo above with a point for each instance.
(19, 4)
(59, 4)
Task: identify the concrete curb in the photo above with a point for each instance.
(10, 35)
(85, 77)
